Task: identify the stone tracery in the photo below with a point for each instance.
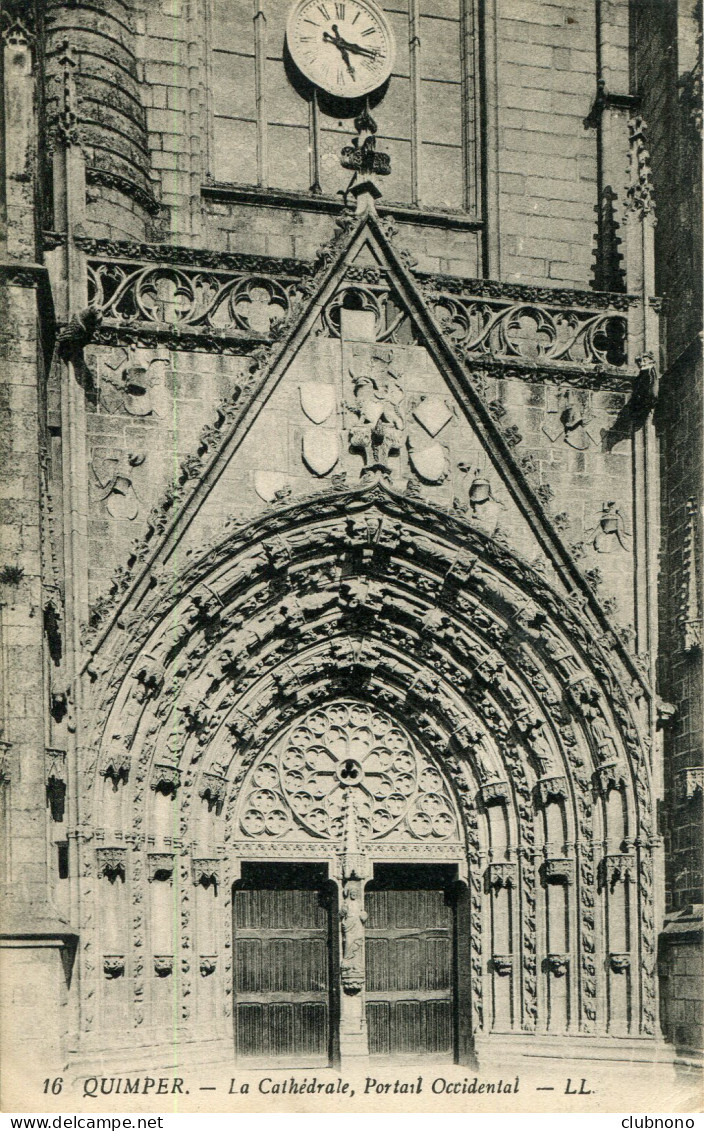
(300, 785)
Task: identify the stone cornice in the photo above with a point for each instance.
(16, 273)
(179, 255)
(330, 205)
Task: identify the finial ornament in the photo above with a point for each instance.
(365, 162)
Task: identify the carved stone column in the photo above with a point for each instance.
(500, 882)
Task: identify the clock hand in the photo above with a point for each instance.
(357, 49)
(346, 60)
(341, 44)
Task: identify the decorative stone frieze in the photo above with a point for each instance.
(607, 777)
(212, 791)
(495, 793)
(116, 767)
(166, 779)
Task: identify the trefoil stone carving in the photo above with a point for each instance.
(298, 788)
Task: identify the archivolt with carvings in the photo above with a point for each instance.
(511, 709)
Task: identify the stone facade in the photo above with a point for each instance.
(309, 463)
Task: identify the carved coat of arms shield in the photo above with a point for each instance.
(430, 463)
(267, 483)
(317, 400)
(321, 450)
(433, 413)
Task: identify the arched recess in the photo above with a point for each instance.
(511, 691)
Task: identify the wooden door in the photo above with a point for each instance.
(282, 975)
(410, 973)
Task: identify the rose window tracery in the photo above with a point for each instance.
(300, 785)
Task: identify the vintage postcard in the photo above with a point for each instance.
(350, 578)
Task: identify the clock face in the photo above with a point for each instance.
(347, 48)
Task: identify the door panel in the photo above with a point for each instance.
(282, 975)
(410, 973)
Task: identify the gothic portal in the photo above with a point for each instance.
(350, 603)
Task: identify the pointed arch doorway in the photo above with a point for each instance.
(348, 919)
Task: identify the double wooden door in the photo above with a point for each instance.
(286, 967)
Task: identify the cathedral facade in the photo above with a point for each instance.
(350, 597)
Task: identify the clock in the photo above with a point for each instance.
(346, 48)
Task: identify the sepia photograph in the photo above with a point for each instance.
(351, 558)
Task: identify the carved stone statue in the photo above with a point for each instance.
(352, 920)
